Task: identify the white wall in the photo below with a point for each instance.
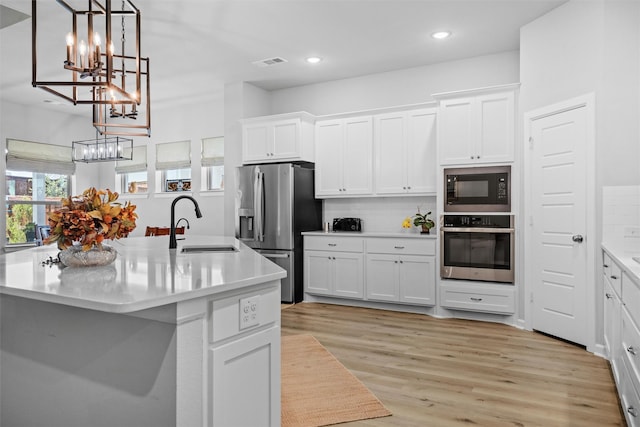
(582, 47)
(408, 86)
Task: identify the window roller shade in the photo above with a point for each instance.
(39, 157)
(173, 155)
(213, 151)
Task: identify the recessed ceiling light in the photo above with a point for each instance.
(441, 35)
(313, 59)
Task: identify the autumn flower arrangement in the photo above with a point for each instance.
(89, 219)
(419, 220)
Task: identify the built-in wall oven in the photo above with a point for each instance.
(477, 247)
(477, 189)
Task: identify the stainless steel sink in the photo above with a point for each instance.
(208, 248)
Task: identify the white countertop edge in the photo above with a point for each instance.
(623, 256)
(131, 307)
(410, 235)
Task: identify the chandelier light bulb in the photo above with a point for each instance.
(69, 39)
(82, 51)
(97, 41)
(69, 48)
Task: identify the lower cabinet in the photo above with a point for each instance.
(484, 297)
(398, 270)
(622, 335)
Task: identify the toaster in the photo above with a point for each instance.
(347, 224)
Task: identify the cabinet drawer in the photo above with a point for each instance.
(494, 299)
(401, 246)
(631, 347)
(612, 272)
(629, 400)
(333, 243)
(631, 297)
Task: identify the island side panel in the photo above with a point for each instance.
(68, 366)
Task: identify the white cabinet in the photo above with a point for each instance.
(285, 137)
(401, 270)
(405, 152)
(344, 157)
(477, 296)
(622, 334)
(333, 266)
(477, 126)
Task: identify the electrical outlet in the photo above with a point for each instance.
(632, 231)
(249, 312)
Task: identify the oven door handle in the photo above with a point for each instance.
(477, 230)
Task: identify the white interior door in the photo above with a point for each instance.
(558, 253)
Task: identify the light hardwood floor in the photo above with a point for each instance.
(452, 372)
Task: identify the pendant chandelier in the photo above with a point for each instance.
(113, 79)
(105, 149)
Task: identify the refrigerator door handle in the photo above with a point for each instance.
(258, 204)
(274, 255)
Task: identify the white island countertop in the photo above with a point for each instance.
(624, 253)
(146, 274)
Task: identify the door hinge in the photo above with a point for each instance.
(530, 143)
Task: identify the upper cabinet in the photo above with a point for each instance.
(283, 137)
(405, 152)
(344, 160)
(477, 126)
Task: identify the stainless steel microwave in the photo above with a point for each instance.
(477, 189)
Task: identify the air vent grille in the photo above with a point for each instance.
(269, 62)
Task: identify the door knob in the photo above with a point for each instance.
(577, 238)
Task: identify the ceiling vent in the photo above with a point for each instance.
(269, 62)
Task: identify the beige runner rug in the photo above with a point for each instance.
(317, 390)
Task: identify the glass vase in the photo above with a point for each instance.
(74, 256)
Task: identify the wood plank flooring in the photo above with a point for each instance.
(453, 372)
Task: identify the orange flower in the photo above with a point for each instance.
(90, 218)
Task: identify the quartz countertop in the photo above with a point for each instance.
(146, 274)
(409, 235)
(623, 253)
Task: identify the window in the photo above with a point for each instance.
(213, 163)
(38, 176)
(173, 163)
(133, 173)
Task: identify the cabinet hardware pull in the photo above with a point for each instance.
(608, 295)
(476, 299)
(399, 247)
(631, 350)
(334, 258)
(400, 261)
(605, 266)
(395, 262)
(632, 411)
(471, 157)
(332, 244)
(614, 277)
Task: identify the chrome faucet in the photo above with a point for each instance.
(173, 243)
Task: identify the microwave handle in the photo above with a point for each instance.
(477, 230)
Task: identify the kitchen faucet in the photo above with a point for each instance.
(172, 236)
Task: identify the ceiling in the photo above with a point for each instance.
(196, 46)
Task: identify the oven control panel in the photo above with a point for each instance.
(477, 221)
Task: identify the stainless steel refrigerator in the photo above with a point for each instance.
(274, 204)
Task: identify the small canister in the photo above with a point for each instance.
(326, 227)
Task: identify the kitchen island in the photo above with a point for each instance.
(158, 338)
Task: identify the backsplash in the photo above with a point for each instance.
(384, 214)
(621, 214)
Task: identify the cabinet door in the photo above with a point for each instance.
(382, 277)
(329, 158)
(391, 154)
(496, 120)
(420, 151)
(456, 131)
(417, 279)
(612, 327)
(357, 153)
(318, 274)
(348, 275)
(286, 139)
(256, 142)
(246, 371)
